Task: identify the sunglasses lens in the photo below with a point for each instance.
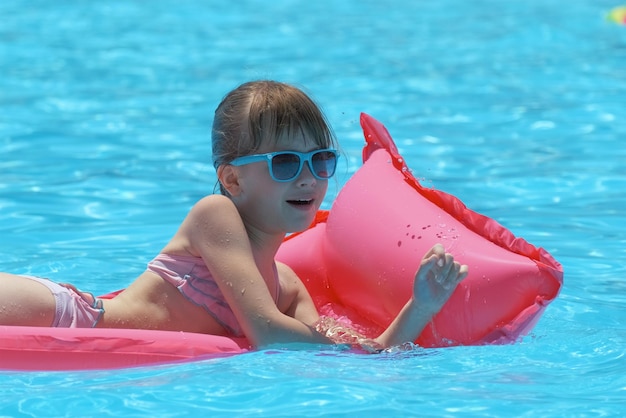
(285, 166)
(324, 164)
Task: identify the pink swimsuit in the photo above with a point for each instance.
(191, 276)
(73, 310)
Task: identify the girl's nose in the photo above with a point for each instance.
(306, 177)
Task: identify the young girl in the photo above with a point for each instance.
(274, 153)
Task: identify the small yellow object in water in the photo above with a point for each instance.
(618, 15)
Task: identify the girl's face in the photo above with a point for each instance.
(279, 207)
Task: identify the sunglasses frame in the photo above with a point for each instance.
(303, 156)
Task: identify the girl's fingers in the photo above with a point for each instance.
(442, 267)
(458, 273)
(455, 274)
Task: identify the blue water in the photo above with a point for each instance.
(516, 107)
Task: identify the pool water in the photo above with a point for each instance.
(518, 108)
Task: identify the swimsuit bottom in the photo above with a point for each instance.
(73, 310)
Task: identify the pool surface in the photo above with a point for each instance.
(517, 108)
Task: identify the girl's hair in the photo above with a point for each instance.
(260, 111)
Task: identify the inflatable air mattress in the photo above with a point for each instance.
(358, 261)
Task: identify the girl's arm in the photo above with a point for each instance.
(435, 280)
(217, 233)
(434, 283)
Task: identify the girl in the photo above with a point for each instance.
(274, 153)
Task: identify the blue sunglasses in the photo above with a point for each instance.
(287, 165)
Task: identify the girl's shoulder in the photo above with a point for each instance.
(295, 299)
(213, 218)
(289, 280)
(284, 271)
(214, 201)
(215, 208)
(208, 221)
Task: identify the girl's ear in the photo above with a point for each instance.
(228, 177)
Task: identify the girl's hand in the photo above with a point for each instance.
(436, 279)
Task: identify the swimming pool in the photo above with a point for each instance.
(518, 108)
